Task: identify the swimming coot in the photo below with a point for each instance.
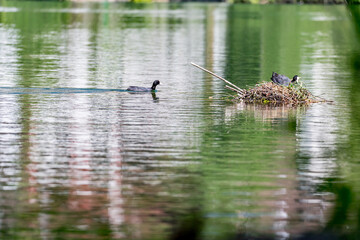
(144, 89)
(283, 80)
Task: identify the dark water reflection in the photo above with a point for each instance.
(82, 159)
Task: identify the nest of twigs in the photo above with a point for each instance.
(270, 92)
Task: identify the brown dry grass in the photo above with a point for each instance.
(270, 92)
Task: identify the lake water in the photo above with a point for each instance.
(81, 159)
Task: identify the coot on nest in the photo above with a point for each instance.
(283, 80)
(144, 89)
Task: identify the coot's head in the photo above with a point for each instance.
(155, 83)
(295, 79)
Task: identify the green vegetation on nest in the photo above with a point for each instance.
(270, 92)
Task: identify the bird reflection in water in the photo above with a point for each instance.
(153, 95)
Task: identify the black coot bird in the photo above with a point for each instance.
(283, 80)
(144, 89)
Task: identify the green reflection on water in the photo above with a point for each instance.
(244, 172)
(345, 218)
(243, 156)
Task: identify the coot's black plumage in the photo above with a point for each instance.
(283, 80)
(144, 89)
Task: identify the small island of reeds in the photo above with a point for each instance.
(270, 93)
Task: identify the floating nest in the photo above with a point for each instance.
(270, 92)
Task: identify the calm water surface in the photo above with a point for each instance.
(81, 159)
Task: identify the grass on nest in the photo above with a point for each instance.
(269, 92)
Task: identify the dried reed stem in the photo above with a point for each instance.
(231, 84)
